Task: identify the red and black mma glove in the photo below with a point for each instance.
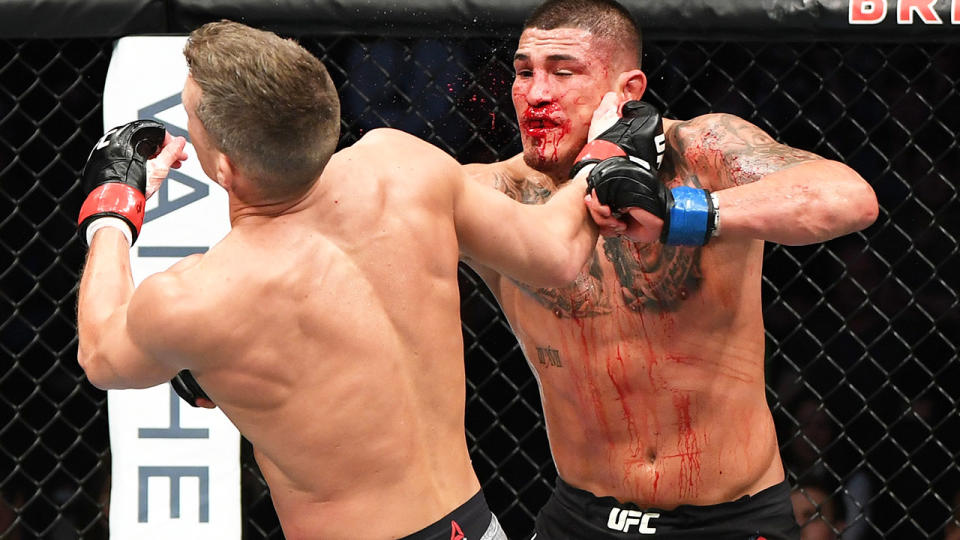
(628, 157)
(187, 387)
(115, 178)
(689, 215)
(637, 135)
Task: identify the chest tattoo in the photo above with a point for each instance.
(653, 276)
(729, 152)
(581, 299)
(548, 357)
(649, 276)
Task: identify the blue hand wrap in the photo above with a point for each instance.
(689, 217)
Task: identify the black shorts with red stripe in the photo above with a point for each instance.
(472, 520)
(575, 514)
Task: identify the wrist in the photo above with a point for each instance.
(108, 222)
(693, 217)
(117, 200)
(594, 152)
(584, 172)
(716, 215)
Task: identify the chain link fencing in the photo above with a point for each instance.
(862, 331)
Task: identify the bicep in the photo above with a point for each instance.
(138, 349)
(491, 226)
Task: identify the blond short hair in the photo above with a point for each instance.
(266, 102)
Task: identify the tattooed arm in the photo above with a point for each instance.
(767, 190)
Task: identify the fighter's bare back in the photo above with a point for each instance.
(355, 382)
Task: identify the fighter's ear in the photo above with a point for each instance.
(632, 84)
(226, 172)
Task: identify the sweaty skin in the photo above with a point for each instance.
(651, 364)
(327, 328)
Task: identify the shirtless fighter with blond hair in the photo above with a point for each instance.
(326, 323)
(654, 397)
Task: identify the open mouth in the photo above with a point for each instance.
(540, 123)
(537, 126)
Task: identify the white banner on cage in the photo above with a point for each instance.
(176, 469)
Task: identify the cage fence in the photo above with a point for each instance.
(862, 331)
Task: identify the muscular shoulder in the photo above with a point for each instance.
(728, 151)
(166, 307)
(399, 159)
(384, 142)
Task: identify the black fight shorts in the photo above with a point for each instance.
(472, 520)
(575, 514)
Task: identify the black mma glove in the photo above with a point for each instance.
(187, 387)
(621, 184)
(115, 177)
(637, 135)
(689, 215)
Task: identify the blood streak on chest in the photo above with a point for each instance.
(688, 448)
(619, 376)
(621, 384)
(644, 427)
(633, 325)
(584, 378)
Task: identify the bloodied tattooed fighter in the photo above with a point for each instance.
(651, 364)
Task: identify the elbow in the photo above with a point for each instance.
(90, 365)
(850, 207)
(868, 207)
(565, 271)
(566, 275)
(557, 273)
(579, 252)
(555, 281)
(569, 255)
(859, 208)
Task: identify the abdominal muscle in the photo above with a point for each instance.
(652, 424)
